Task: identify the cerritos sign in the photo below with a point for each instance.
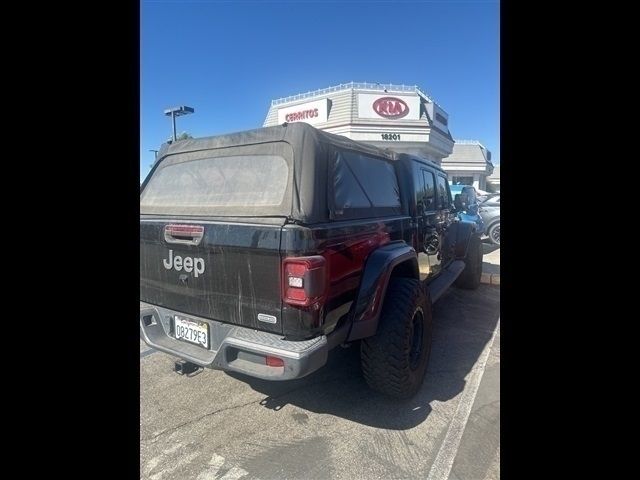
(302, 115)
(310, 112)
(390, 107)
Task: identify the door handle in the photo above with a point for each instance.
(184, 234)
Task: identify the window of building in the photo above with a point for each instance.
(458, 180)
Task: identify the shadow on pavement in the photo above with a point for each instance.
(463, 324)
(488, 247)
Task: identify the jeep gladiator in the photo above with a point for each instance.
(260, 251)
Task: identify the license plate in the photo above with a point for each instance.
(191, 331)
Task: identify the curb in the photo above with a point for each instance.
(490, 278)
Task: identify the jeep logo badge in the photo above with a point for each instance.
(195, 265)
(390, 107)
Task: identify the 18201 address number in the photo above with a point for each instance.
(390, 136)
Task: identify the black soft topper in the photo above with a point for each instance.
(311, 154)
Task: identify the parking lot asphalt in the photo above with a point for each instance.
(217, 425)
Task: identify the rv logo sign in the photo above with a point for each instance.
(189, 264)
(390, 107)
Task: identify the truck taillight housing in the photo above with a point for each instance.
(304, 280)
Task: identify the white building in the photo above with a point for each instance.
(400, 117)
(494, 179)
(469, 164)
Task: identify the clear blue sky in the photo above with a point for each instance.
(230, 59)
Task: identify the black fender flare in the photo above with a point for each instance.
(378, 269)
(456, 239)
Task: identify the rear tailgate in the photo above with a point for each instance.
(232, 274)
(232, 202)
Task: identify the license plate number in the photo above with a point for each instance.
(191, 331)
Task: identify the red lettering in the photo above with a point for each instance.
(390, 107)
(295, 116)
(395, 108)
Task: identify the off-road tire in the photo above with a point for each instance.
(470, 276)
(393, 361)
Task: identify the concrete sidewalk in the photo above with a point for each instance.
(490, 264)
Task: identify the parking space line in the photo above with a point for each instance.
(441, 466)
(215, 464)
(214, 471)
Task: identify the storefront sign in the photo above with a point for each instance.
(391, 107)
(312, 112)
(388, 107)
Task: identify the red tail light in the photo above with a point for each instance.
(304, 280)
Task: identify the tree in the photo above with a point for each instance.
(183, 136)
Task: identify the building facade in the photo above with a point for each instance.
(493, 180)
(469, 164)
(399, 117)
(402, 118)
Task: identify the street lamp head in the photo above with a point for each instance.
(179, 111)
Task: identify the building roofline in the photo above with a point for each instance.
(356, 85)
(469, 142)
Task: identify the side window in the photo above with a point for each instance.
(347, 190)
(429, 190)
(419, 188)
(444, 197)
(366, 186)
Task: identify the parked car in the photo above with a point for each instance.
(489, 210)
(466, 202)
(482, 195)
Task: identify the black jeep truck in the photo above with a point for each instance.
(260, 251)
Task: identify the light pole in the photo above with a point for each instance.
(177, 112)
(155, 154)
